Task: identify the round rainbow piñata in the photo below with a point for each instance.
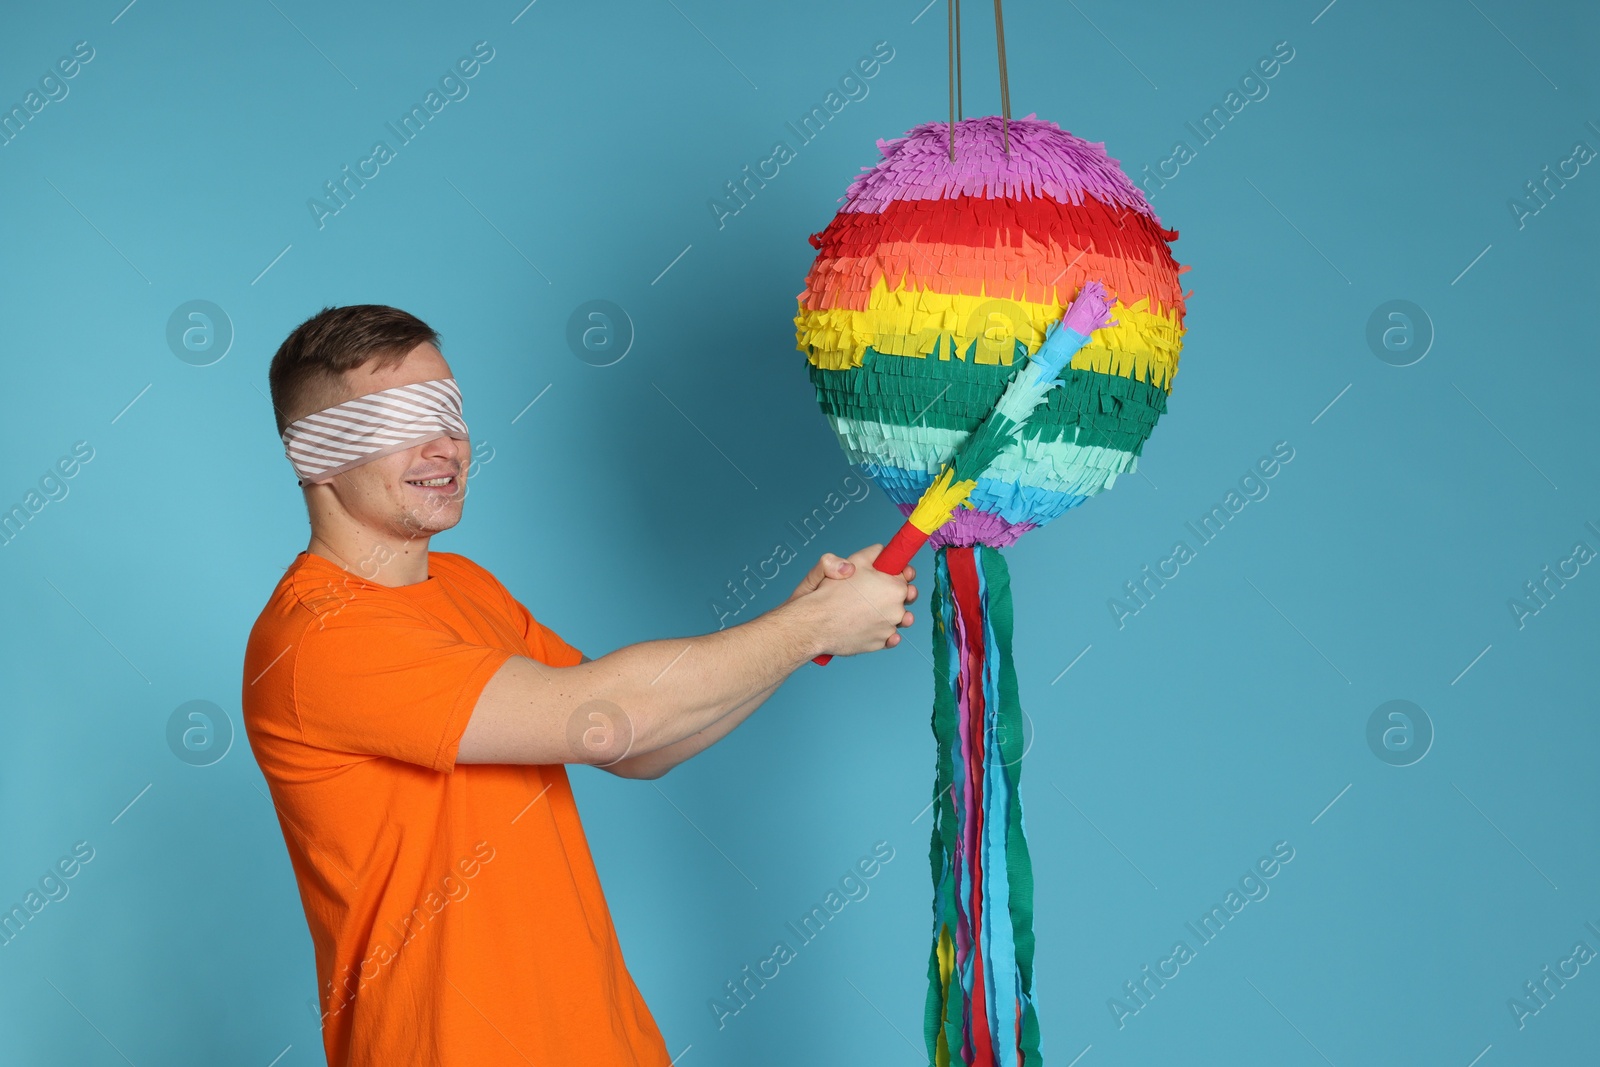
(936, 277)
(936, 298)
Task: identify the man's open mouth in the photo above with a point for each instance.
(446, 482)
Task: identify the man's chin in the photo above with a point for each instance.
(426, 521)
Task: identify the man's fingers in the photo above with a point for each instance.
(911, 593)
(813, 577)
(863, 557)
(827, 566)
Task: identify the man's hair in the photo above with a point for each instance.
(307, 373)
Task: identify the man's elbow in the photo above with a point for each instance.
(637, 769)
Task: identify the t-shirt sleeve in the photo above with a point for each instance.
(378, 679)
(544, 644)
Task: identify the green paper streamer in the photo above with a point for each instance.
(1091, 408)
(997, 609)
(1019, 867)
(944, 823)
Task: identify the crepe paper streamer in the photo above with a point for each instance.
(933, 308)
(953, 485)
(980, 1007)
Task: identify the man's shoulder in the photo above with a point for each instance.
(309, 596)
(454, 565)
(298, 587)
(315, 586)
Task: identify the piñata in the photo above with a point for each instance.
(992, 337)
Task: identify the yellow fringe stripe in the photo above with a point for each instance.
(947, 966)
(1144, 345)
(939, 501)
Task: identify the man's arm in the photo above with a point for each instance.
(659, 762)
(646, 697)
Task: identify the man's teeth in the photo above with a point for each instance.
(435, 481)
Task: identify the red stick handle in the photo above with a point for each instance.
(892, 560)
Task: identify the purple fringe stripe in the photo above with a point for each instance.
(1045, 161)
(968, 527)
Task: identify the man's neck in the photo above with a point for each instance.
(378, 558)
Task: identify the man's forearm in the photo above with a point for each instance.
(643, 698)
(677, 690)
(655, 764)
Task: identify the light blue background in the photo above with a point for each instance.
(1222, 718)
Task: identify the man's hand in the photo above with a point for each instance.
(853, 607)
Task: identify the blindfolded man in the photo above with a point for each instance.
(413, 721)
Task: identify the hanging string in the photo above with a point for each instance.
(1005, 85)
(960, 111)
(953, 29)
(950, 30)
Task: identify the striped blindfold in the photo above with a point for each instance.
(334, 440)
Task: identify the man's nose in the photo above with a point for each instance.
(444, 447)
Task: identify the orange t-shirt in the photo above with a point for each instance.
(455, 911)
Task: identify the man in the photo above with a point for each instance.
(413, 721)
